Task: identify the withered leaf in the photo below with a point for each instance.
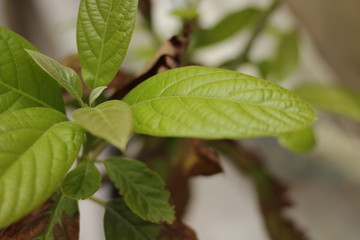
(195, 159)
(271, 192)
(56, 219)
(177, 231)
(167, 57)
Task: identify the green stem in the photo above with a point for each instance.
(261, 24)
(98, 150)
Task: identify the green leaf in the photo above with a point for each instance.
(227, 27)
(110, 120)
(213, 103)
(104, 31)
(23, 83)
(143, 189)
(65, 76)
(95, 94)
(334, 99)
(82, 182)
(120, 223)
(64, 219)
(286, 59)
(37, 148)
(299, 141)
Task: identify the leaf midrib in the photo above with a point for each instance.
(132, 183)
(32, 145)
(116, 213)
(25, 95)
(217, 99)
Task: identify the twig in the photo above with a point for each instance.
(261, 24)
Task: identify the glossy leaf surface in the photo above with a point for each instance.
(37, 148)
(215, 103)
(23, 83)
(299, 141)
(143, 189)
(104, 31)
(334, 99)
(120, 223)
(81, 182)
(110, 120)
(65, 76)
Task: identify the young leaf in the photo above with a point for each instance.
(37, 148)
(23, 83)
(57, 218)
(65, 76)
(95, 94)
(110, 120)
(227, 27)
(212, 103)
(81, 182)
(299, 141)
(143, 189)
(120, 223)
(104, 31)
(334, 99)
(286, 58)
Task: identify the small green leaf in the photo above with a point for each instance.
(37, 148)
(104, 31)
(110, 120)
(227, 27)
(65, 76)
(213, 103)
(334, 99)
(299, 141)
(143, 189)
(120, 223)
(286, 58)
(82, 182)
(64, 219)
(23, 84)
(95, 94)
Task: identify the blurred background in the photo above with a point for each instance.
(324, 184)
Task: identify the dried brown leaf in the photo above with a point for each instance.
(36, 224)
(177, 231)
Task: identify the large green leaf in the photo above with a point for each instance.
(65, 76)
(104, 31)
(143, 189)
(215, 103)
(82, 182)
(110, 120)
(37, 148)
(299, 141)
(227, 27)
(120, 223)
(23, 83)
(334, 99)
